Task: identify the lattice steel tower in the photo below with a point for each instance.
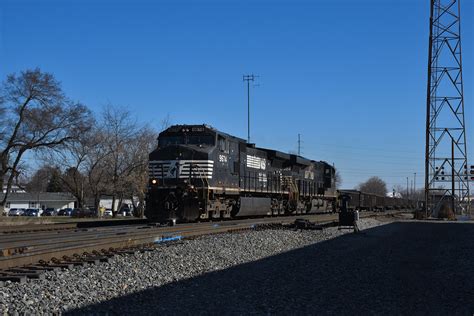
(446, 172)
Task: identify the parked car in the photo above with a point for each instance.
(125, 211)
(32, 212)
(108, 212)
(65, 212)
(50, 212)
(16, 211)
(82, 212)
(94, 211)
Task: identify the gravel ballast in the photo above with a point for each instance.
(124, 274)
(400, 268)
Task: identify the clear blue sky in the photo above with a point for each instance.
(348, 75)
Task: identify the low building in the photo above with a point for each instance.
(43, 200)
(394, 194)
(106, 203)
(13, 189)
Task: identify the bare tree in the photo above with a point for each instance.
(82, 165)
(128, 145)
(54, 181)
(401, 190)
(165, 122)
(374, 185)
(419, 195)
(96, 166)
(137, 177)
(40, 180)
(35, 116)
(74, 182)
(72, 160)
(112, 158)
(120, 133)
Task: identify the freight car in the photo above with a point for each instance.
(361, 201)
(200, 173)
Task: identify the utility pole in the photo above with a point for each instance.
(299, 144)
(445, 125)
(407, 188)
(414, 183)
(248, 78)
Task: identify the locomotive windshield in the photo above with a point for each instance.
(200, 139)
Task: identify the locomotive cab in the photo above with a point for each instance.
(190, 164)
(182, 155)
(176, 167)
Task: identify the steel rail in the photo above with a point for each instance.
(121, 241)
(38, 237)
(47, 249)
(70, 240)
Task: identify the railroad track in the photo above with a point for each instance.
(30, 254)
(15, 229)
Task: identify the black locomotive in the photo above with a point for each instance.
(199, 173)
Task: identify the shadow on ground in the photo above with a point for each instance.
(400, 268)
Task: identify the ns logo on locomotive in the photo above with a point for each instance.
(199, 173)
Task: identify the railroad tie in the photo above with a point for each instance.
(75, 262)
(107, 253)
(13, 278)
(125, 251)
(17, 275)
(94, 258)
(61, 265)
(42, 268)
(147, 249)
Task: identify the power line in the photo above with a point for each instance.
(364, 147)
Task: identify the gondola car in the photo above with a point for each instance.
(361, 201)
